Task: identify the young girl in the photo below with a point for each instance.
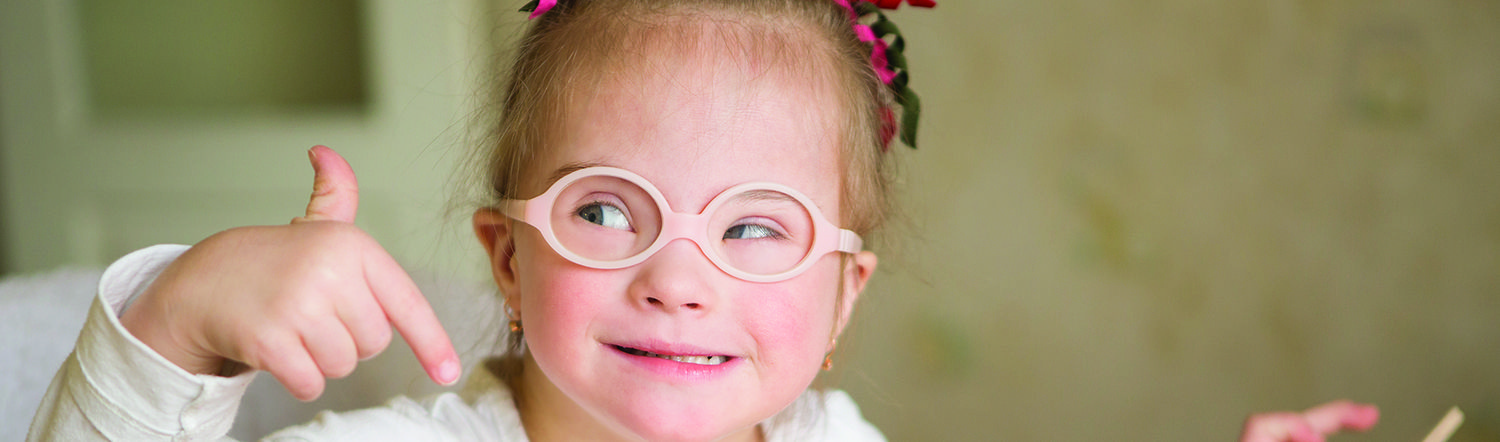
(679, 196)
(679, 193)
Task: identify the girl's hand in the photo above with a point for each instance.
(1313, 425)
(303, 301)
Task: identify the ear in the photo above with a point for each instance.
(493, 229)
(857, 273)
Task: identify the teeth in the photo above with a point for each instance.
(699, 360)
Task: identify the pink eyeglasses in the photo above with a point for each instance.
(610, 218)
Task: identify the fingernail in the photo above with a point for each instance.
(312, 154)
(448, 372)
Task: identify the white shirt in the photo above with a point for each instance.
(113, 387)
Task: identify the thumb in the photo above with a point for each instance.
(335, 195)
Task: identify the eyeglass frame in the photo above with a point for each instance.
(675, 225)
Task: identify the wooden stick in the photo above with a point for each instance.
(1446, 427)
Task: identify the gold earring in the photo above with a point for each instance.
(515, 323)
(828, 357)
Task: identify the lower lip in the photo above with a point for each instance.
(673, 369)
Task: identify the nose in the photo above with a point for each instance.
(677, 279)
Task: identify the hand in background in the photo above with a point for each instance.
(302, 301)
(1313, 425)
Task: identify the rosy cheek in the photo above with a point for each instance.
(792, 318)
(568, 296)
(558, 297)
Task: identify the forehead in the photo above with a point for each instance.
(698, 116)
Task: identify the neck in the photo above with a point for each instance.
(549, 415)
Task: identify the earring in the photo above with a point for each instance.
(515, 323)
(828, 357)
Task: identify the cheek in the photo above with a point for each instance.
(557, 297)
(796, 319)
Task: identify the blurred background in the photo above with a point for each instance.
(1130, 221)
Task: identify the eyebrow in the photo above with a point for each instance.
(570, 168)
(769, 195)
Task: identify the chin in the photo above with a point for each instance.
(686, 423)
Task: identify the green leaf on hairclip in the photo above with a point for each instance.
(910, 108)
(883, 27)
(898, 84)
(895, 58)
(530, 6)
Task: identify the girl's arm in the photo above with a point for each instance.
(113, 387)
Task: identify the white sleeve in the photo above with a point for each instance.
(113, 387)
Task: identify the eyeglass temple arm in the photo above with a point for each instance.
(515, 209)
(849, 242)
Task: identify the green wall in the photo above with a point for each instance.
(1145, 220)
(1130, 221)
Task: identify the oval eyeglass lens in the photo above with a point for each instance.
(761, 232)
(605, 219)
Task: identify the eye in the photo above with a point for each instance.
(751, 231)
(605, 215)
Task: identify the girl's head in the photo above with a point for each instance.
(695, 97)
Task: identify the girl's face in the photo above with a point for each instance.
(693, 126)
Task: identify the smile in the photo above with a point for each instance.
(698, 360)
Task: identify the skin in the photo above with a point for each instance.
(693, 126)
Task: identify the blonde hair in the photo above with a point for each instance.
(568, 50)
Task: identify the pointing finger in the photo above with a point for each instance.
(335, 195)
(413, 317)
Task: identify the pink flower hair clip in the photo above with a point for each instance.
(538, 7)
(889, 62)
(886, 57)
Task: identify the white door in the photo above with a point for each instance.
(125, 124)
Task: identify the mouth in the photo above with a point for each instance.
(686, 359)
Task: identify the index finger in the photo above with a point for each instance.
(412, 316)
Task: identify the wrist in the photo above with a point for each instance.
(142, 319)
